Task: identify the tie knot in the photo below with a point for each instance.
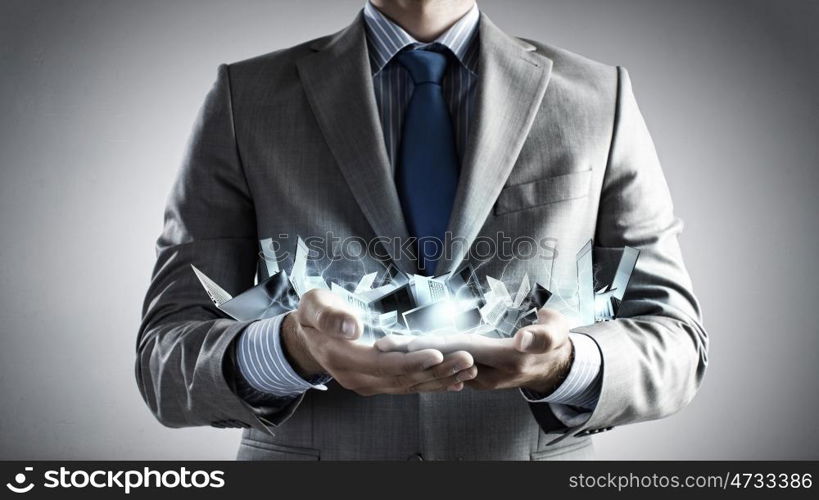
(424, 66)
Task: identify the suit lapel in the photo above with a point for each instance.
(338, 82)
(512, 80)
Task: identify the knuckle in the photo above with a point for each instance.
(306, 299)
(413, 345)
(465, 358)
(546, 315)
(468, 374)
(443, 371)
(325, 318)
(385, 344)
(418, 365)
(310, 298)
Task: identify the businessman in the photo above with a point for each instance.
(421, 121)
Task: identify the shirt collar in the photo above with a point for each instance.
(386, 39)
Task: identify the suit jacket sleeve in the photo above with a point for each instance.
(655, 353)
(185, 362)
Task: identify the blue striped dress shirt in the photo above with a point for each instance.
(266, 376)
(392, 83)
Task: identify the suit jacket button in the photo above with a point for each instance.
(415, 458)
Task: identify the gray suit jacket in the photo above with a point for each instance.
(289, 143)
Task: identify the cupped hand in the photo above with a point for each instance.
(319, 338)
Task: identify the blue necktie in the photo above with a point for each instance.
(427, 168)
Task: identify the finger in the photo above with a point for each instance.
(449, 343)
(445, 374)
(367, 383)
(326, 312)
(539, 339)
(393, 343)
(443, 343)
(485, 350)
(546, 316)
(453, 381)
(452, 365)
(441, 375)
(399, 363)
(371, 361)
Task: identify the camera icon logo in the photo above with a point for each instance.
(20, 479)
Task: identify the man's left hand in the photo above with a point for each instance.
(538, 357)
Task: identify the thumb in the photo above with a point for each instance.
(325, 312)
(535, 339)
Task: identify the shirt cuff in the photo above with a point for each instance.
(580, 389)
(262, 363)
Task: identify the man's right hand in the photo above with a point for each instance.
(319, 338)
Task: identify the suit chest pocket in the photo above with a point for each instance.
(543, 192)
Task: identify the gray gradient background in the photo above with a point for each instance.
(98, 98)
